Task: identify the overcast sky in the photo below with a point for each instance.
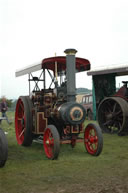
(31, 30)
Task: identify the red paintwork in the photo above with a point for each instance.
(49, 63)
(121, 92)
(19, 116)
(48, 142)
(42, 123)
(91, 140)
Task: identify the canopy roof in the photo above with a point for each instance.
(49, 63)
(118, 70)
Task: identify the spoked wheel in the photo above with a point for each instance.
(113, 115)
(51, 141)
(93, 139)
(3, 148)
(23, 122)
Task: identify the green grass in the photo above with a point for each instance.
(27, 170)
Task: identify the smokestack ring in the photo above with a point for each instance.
(76, 113)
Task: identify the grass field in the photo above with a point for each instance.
(29, 171)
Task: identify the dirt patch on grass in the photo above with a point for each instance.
(106, 186)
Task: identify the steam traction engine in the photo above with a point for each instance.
(51, 113)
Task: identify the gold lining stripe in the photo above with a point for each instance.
(38, 115)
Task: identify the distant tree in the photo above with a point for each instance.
(83, 90)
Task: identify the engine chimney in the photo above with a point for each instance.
(70, 74)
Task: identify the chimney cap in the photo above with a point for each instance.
(70, 51)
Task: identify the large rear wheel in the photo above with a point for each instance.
(23, 122)
(3, 148)
(93, 139)
(51, 141)
(113, 115)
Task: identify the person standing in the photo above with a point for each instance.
(4, 108)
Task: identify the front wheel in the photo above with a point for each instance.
(51, 141)
(3, 148)
(93, 139)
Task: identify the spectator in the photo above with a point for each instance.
(4, 108)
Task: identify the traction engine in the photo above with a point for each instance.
(51, 113)
(113, 112)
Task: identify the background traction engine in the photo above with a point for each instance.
(113, 112)
(52, 114)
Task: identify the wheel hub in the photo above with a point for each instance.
(47, 142)
(109, 116)
(91, 139)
